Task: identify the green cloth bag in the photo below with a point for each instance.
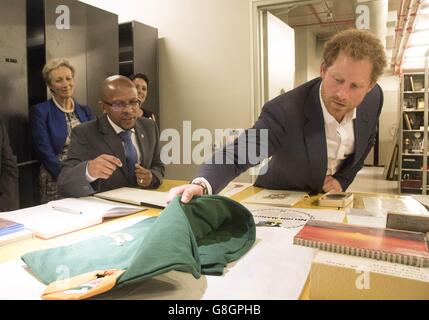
(200, 237)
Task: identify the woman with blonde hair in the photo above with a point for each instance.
(51, 124)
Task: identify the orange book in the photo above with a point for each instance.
(398, 246)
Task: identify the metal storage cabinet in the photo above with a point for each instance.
(102, 52)
(13, 91)
(68, 43)
(138, 53)
(91, 44)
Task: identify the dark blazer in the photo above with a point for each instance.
(93, 138)
(49, 131)
(9, 192)
(148, 114)
(297, 143)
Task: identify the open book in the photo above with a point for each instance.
(282, 198)
(136, 196)
(63, 216)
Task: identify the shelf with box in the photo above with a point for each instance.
(413, 138)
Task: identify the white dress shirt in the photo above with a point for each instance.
(340, 137)
(340, 140)
(118, 129)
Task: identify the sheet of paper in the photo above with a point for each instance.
(16, 236)
(364, 217)
(367, 221)
(372, 265)
(282, 198)
(233, 188)
(423, 199)
(293, 217)
(405, 204)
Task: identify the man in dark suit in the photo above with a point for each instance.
(317, 134)
(118, 149)
(9, 199)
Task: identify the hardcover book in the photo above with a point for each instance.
(8, 226)
(336, 199)
(405, 247)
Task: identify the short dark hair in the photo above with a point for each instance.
(139, 76)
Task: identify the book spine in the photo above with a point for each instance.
(410, 260)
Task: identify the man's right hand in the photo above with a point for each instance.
(103, 166)
(188, 191)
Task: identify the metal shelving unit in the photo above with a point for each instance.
(413, 139)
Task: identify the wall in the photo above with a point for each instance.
(204, 61)
(307, 56)
(389, 116)
(281, 56)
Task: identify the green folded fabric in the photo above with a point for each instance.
(198, 238)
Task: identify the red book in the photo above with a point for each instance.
(398, 246)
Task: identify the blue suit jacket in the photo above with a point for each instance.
(49, 132)
(297, 143)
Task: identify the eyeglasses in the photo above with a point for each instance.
(120, 105)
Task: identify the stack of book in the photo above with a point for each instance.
(336, 199)
(12, 231)
(7, 227)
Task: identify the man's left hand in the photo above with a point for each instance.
(144, 176)
(331, 184)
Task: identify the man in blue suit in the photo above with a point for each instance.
(319, 133)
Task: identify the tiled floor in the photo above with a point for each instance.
(370, 179)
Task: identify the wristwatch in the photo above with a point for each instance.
(203, 185)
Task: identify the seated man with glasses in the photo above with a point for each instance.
(118, 149)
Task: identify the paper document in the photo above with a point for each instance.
(291, 218)
(403, 204)
(423, 199)
(373, 266)
(136, 196)
(16, 236)
(63, 216)
(281, 198)
(233, 188)
(361, 217)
